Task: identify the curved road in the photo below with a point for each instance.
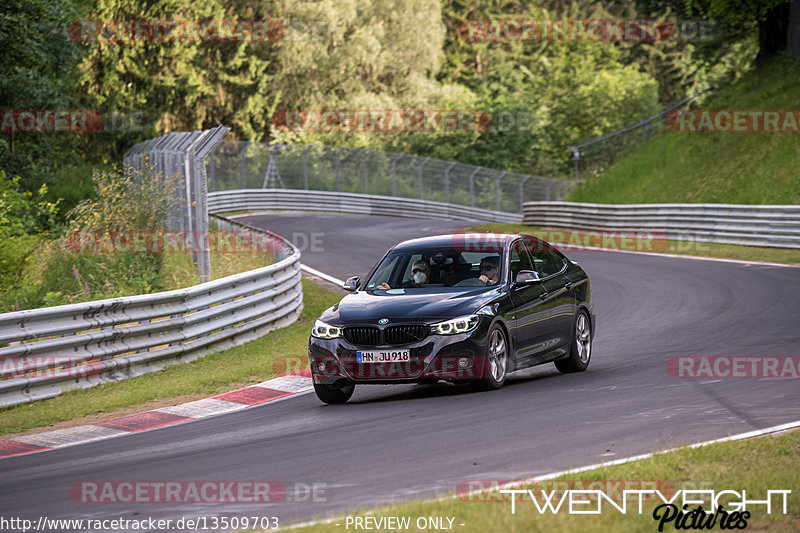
(391, 443)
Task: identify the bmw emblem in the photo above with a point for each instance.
(383, 321)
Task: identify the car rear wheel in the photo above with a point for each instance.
(333, 394)
(496, 358)
(580, 348)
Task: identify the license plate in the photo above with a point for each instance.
(388, 356)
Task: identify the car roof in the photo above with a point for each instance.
(504, 239)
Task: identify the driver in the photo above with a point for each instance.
(490, 269)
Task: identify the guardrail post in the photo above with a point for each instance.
(419, 176)
(447, 182)
(472, 187)
(305, 167)
(364, 171)
(497, 189)
(395, 159)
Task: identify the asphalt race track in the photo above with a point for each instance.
(392, 443)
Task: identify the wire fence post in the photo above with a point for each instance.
(241, 155)
(547, 191)
(447, 182)
(395, 159)
(305, 167)
(364, 172)
(522, 191)
(212, 170)
(183, 155)
(338, 181)
(419, 176)
(472, 187)
(497, 190)
(576, 158)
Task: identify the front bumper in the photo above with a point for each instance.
(434, 358)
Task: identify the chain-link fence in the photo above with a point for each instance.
(250, 165)
(182, 155)
(595, 156)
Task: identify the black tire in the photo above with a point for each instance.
(334, 394)
(497, 357)
(580, 352)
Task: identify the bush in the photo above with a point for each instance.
(43, 272)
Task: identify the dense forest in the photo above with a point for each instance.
(541, 94)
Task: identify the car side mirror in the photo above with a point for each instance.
(351, 284)
(526, 277)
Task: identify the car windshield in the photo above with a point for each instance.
(418, 268)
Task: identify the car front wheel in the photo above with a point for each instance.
(496, 359)
(334, 394)
(580, 348)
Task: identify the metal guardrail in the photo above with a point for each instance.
(44, 352)
(348, 203)
(751, 225)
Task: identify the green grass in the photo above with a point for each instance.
(178, 271)
(702, 249)
(755, 465)
(738, 168)
(276, 353)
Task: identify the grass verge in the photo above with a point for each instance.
(178, 271)
(715, 167)
(275, 353)
(702, 249)
(755, 465)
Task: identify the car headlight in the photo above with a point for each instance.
(453, 326)
(321, 330)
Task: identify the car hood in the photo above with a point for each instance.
(367, 307)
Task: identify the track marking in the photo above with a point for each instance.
(272, 390)
(326, 277)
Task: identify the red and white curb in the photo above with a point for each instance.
(236, 400)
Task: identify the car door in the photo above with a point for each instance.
(559, 297)
(530, 314)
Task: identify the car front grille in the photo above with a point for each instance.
(405, 334)
(373, 336)
(365, 336)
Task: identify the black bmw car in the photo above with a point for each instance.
(460, 308)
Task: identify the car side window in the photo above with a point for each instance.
(519, 259)
(547, 261)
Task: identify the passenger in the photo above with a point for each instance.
(422, 276)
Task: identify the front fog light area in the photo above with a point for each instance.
(461, 324)
(321, 330)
